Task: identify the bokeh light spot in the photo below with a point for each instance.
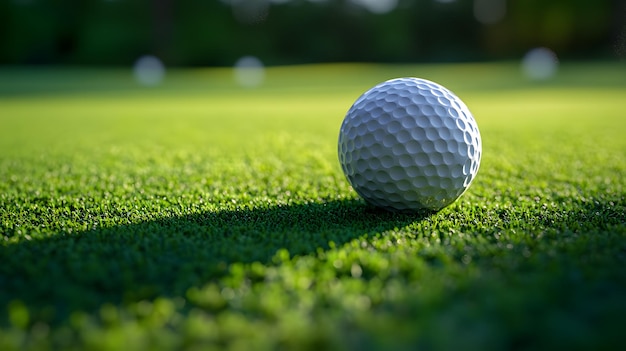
(377, 6)
(489, 11)
(149, 70)
(249, 72)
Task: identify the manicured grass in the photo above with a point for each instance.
(198, 215)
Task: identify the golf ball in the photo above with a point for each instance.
(409, 144)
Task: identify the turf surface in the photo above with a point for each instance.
(198, 215)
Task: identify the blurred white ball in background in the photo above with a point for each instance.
(249, 72)
(540, 64)
(149, 70)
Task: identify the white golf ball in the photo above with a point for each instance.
(409, 144)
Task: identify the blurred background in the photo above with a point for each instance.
(279, 32)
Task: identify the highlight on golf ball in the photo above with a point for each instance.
(409, 144)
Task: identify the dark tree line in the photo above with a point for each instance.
(217, 32)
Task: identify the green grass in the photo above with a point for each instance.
(197, 216)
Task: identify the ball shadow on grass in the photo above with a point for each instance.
(167, 256)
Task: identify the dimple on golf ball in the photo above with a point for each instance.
(409, 144)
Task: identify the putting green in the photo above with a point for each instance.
(197, 214)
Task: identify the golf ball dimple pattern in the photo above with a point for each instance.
(409, 144)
